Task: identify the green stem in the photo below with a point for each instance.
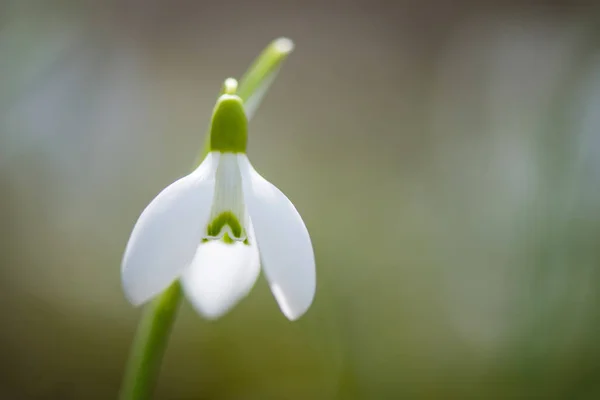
(151, 338)
(150, 343)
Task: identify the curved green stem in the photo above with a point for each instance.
(151, 338)
(150, 343)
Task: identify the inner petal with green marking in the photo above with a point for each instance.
(226, 227)
(228, 217)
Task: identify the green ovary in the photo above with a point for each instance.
(229, 126)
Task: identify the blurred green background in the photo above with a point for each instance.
(444, 156)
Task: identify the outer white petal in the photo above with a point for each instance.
(167, 233)
(285, 248)
(220, 276)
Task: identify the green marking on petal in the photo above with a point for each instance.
(227, 239)
(225, 218)
(229, 126)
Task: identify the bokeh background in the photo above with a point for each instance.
(444, 156)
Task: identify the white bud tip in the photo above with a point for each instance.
(230, 86)
(283, 45)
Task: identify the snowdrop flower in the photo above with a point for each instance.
(215, 227)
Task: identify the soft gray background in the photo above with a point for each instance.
(444, 156)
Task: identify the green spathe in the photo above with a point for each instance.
(229, 127)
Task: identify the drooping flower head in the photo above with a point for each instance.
(217, 226)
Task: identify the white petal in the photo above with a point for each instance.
(220, 276)
(167, 233)
(283, 242)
